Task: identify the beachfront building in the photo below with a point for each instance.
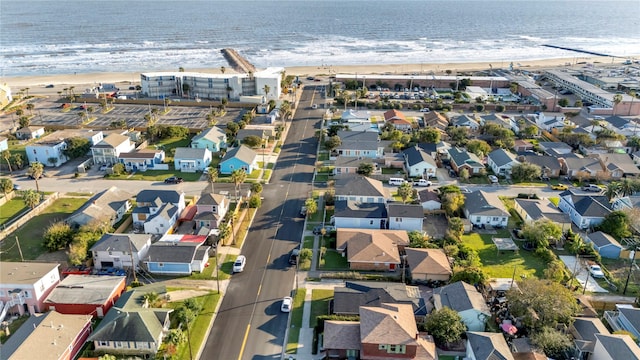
(49, 150)
(425, 80)
(212, 86)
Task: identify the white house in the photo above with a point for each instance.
(418, 163)
(466, 300)
(192, 159)
(360, 144)
(361, 189)
(585, 210)
(484, 209)
(49, 150)
(405, 217)
(159, 208)
(549, 121)
(119, 250)
(501, 161)
(614, 347)
(429, 200)
(24, 286)
(357, 215)
(108, 149)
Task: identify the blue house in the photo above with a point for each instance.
(191, 159)
(177, 258)
(241, 157)
(604, 244)
(213, 138)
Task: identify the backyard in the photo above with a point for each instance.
(11, 209)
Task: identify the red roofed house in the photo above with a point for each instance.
(86, 294)
(398, 120)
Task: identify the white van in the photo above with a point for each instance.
(397, 181)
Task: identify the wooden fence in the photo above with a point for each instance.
(14, 225)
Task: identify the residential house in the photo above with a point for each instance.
(245, 133)
(626, 318)
(132, 327)
(210, 210)
(120, 250)
(405, 216)
(213, 138)
(163, 219)
(397, 119)
(504, 121)
(25, 286)
(585, 168)
(626, 202)
(615, 347)
(436, 120)
(466, 300)
(428, 265)
(436, 150)
(360, 188)
(622, 126)
(372, 249)
(550, 165)
(419, 164)
(109, 149)
(241, 157)
(86, 294)
(50, 336)
(349, 165)
(356, 116)
(149, 202)
(636, 157)
(619, 165)
(501, 161)
(429, 200)
(586, 211)
(554, 148)
(484, 209)
(358, 215)
(462, 159)
(348, 299)
(363, 144)
(30, 132)
(178, 255)
(584, 330)
(520, 145)
(191, 159)
(385, 332)
(465, 121)
(487, 346)
(549, 121)
(143, 160)
(606, 245)
(108, 206)
(4, 143)
(531, 210)
(49, 150)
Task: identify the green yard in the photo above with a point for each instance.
(169, 144)
(30, 235)
(11, 209)
(156, 175)
(320, 299)
(296, 321)
(501, 264)
(332, 260)
(198, 329)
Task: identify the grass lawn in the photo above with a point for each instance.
(267, 174)
(156, 175)
(30, 235)
(555, 200)
(319, 304)
(332, 260)
(11, 209)
(392, 171)
(226, 268)
(501, 265)
(308, 242)
(200, 325)
(15, 325)
(322, 178)
(323, 156)
(171, 143)
(296, 321)
(244, 227)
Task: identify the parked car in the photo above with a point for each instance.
(50, 86)
(287, 301)
(173, 180)
(425, 110)
(596, 271)
(493, 179)
(238, 266)
(16, 187)
(559, 187)
(329, 228)
(314, 106)
(422, 182)
(293, 257)
(303, 211)
(592, 187)
(317, 230)
(104, 167)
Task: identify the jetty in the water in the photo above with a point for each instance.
(237, 62)
(577, 50)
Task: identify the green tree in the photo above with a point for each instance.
(445, 189)
(563, 102)
(479, 147)
(232, 129)
(152, 299)
(175, 337)
(212, 177)
(418, 239)
(456, 227)
(452, 203)
(31, 198)
(252, 141)
(36, 170)
(6, 155)
(458, 135)
(542, 303)
(464, 174)
(617, 99)
(6, 185)
(525, 171)
(76, 147)
(530, 132)
(445, 325)
(470, 275)
(118, 169)
(555, 271)
(629, 186)
(613, 190)
(365, 169)
(540, 232)
(429, 135)
(256, 188)
(18, 160)
(616, 224)
(405, 191)
(24, 121)
(311, 205)
(238, 177)
(255, 201)
(554, 343)
(332, 143)
(267, 89)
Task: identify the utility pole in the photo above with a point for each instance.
(19, 249)
(632, 258)
(133, 265)
(217, 278)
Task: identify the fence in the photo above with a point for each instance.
(13, 226)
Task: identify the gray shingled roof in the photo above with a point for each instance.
(544, 161)
(405, 210)
(591, 206)
(104, 204)
(242, 153)
(501, 157)
(459, 296)
(360, 140)
(185, 153)
(358, 185)
(462, 156)
(355, 209)
(166, 211)
(348, 299)
(214, 134)
(112, 141)
(587, 328)
(172, 252)
(632, 314)
(617, 121)
(343, 335)
(601, 239)
(415, 155)
(489, 346)
(85, 289)
(210, 199)
(619, 346)
(482, 203)
(165, 196)
(120, 242)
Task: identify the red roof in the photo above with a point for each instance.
(193, 238)
(188, 213)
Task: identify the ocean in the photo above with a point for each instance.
(66, 36)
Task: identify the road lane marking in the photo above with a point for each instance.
(259, 289)
(244, 341)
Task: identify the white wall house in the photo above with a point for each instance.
(121, 251)
(52, 146)
(483, 209)
(501, 161)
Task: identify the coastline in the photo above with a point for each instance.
(124, 79)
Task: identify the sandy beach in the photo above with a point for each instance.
(36, 84)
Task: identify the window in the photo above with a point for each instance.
(398, 219)
(160, 264)
(371, 222)
(495, 218)
(382, 347)
(478, 219)
(103, 343)
(396, 349)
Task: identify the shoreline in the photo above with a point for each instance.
(37, 83)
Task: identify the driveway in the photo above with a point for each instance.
(581, 274)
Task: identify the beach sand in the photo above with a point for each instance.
(123, 80)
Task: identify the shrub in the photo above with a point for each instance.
(255, 201)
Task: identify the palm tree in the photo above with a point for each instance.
(626, 187)
(26, 90)
(223, 69)
(613, 190)
(238, 177)
(617, 99)
(266, 90)
(212, 177)
(36, 170)
(30, 107)
(180, 69)
(6, 155)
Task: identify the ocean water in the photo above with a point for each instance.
(65, 36)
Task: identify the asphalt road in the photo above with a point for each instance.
(249, 324)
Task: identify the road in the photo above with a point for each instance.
(249, 324)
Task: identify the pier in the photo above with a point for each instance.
(237, 62)
(578, 50)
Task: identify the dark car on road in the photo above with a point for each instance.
(293, 257)
(173, 180)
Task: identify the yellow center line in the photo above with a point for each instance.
(244, 342)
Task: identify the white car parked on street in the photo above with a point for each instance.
(238, 266)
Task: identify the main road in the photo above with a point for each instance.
(249, 324)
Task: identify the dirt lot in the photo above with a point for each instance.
(435, 225)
